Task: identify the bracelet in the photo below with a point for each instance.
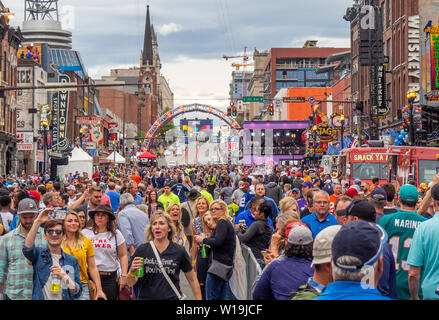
(131, 275)
(123, 276)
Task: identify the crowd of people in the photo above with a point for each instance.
(129, 233)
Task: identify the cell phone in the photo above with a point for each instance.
(264, 254)
(437, 169)
(57, 215)
(242, 222)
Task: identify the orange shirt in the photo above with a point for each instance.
(332, 199)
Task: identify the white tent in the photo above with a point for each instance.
(79, 161)
(119, 158)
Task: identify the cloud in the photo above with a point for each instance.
(169, 28)
(96, 72)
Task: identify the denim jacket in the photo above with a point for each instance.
(42, 261)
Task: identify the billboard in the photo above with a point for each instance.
(31, 52)
(429, 47)
(200, 130)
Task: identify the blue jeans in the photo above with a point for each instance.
(85, 295)
(218, 289)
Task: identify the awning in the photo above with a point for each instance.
(146, 155)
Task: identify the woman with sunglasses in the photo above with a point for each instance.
(80, 247)
(110, 250)
(223, 244)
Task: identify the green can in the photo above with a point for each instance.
(203, 251)
(141, 271)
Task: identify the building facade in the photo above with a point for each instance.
(256, 85)
(10, 39)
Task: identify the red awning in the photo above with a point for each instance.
(146, 155)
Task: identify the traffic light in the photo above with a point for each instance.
(185, 129)
(232, 105)
(271, 108)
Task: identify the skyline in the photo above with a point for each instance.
(194, 35)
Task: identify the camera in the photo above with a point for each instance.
(57, 214)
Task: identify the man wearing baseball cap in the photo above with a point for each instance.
(357, 263)
(305, 187)
(321, 253)
(378, 199)
(360, 209)
(400, 227)
(16, 275)
(287, 274)
(424, 254)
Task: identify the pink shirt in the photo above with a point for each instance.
(105, 199)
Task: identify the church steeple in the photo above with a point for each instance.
(148, 54)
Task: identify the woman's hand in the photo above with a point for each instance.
(122, 282)
(269, 256)
(100, 294)
(200, 238)
(137, 264)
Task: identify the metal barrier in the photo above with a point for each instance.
(254, 270)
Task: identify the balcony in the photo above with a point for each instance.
(293, 66)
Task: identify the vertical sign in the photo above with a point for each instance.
(434, 38)
(60, 103)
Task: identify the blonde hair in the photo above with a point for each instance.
(196, 214)
(178, 225)
(160, 214)
(79, 237)
(286, 203)
(223, 206)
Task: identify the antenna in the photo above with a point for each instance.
(41, 10)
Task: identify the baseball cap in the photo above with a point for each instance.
(424, 186)
(378, 194)
(435, 192)
(328, 181)
(362, 209)
(307, 183)
(27, 206)
(295, 190)
(300, 235)
(298, 174)
(321, 250)
(291, 225)
(71, 187)
(408, 193)
(352, 192)
(357, 180)
(34, 195)
(360, 239)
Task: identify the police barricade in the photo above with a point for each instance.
(246, 273)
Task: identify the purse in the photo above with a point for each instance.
(127, 293)
(220, 270)
(159, 261)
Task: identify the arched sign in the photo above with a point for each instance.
(168, 116)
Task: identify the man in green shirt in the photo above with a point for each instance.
(168, 197)
(400, 227)
(206, 193)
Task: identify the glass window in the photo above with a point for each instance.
(369, 170)
(427, 170)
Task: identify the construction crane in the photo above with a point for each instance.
(237, 65)
(245, 58)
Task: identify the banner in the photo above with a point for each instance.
(60, 103)
(434, 38)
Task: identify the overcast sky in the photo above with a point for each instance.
(193, 35)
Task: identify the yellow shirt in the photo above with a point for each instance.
(82, 255)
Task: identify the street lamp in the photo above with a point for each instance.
(411, 96)
(342, 130)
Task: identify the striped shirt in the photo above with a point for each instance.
(16, 275)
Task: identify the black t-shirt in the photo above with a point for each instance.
(153, 285)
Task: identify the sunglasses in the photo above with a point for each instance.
(51, 232)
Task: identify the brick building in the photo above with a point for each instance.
(10, 39)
